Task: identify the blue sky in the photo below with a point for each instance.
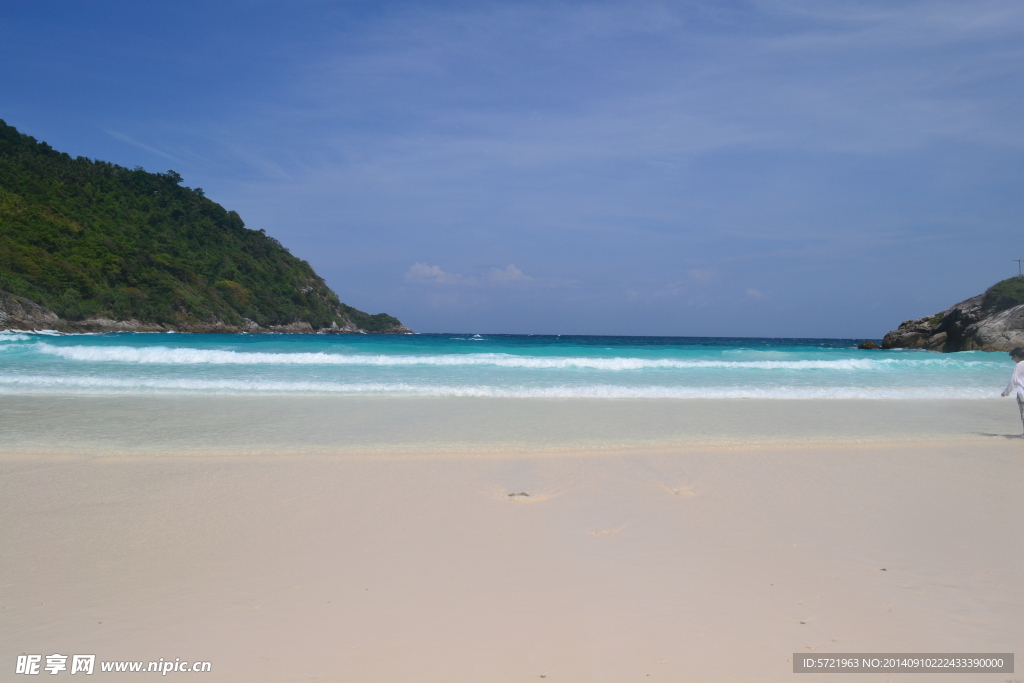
(691, 168)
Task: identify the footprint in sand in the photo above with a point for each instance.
(681, 491)
(524, 497)
(514, 496)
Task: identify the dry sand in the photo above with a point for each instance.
(287, 539)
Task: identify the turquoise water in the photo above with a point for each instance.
(488, 365)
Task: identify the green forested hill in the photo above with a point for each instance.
(91, 239)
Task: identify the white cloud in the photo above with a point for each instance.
(421, 272)
(755, 294)
(704, 274)
(425, 273)
(508, 275)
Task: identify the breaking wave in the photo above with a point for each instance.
(163, 355)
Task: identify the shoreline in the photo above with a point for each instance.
(347, 425)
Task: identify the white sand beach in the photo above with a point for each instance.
(356, 539)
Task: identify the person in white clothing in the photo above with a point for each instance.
(1017, 380)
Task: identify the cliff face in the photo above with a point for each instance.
(18, 313)
(980, 323)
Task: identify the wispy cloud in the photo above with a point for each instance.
(425, 273)
(421, 272)
(507, 275)
(143, 146)
(703, 274)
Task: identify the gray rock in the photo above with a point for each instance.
(967, 326)
(18, 313)
(1000, 332)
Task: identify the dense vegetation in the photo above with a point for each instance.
(92, 239)
(1004, 295)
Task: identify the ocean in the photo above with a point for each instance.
(482, 365)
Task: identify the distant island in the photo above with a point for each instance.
(993, 321)
(90, 246)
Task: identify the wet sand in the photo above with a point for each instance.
(287, 539)
(177, 425)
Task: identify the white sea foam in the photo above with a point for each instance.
(163, 355)
(108, 385)
(8, 336)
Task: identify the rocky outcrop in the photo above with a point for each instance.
(19, 313)
(970, 325)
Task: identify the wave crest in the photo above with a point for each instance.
(164, 355)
